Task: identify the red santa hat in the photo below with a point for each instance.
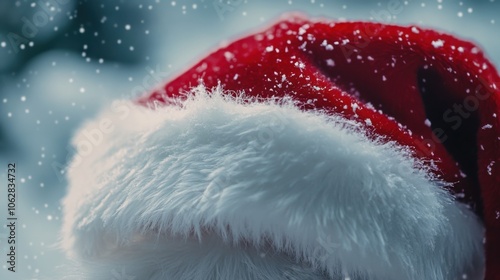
(310, 150)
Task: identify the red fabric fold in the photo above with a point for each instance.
(434, 93)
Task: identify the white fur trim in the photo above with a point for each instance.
(219, 188)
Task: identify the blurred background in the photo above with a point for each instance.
(61, 61)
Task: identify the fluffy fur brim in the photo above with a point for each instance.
(218, 187)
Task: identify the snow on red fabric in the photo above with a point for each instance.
(432, 92)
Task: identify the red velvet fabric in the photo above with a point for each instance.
(425, 90)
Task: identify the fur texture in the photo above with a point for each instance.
(224, 188)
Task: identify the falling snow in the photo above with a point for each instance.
(438, 43)
(427, 123)
(300, 65)
(489, 168)
(46, 93)
(487, 126)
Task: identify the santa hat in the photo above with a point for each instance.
(310, 150)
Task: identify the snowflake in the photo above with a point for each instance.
(438, 43)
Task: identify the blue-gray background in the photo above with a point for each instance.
(61, 61)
